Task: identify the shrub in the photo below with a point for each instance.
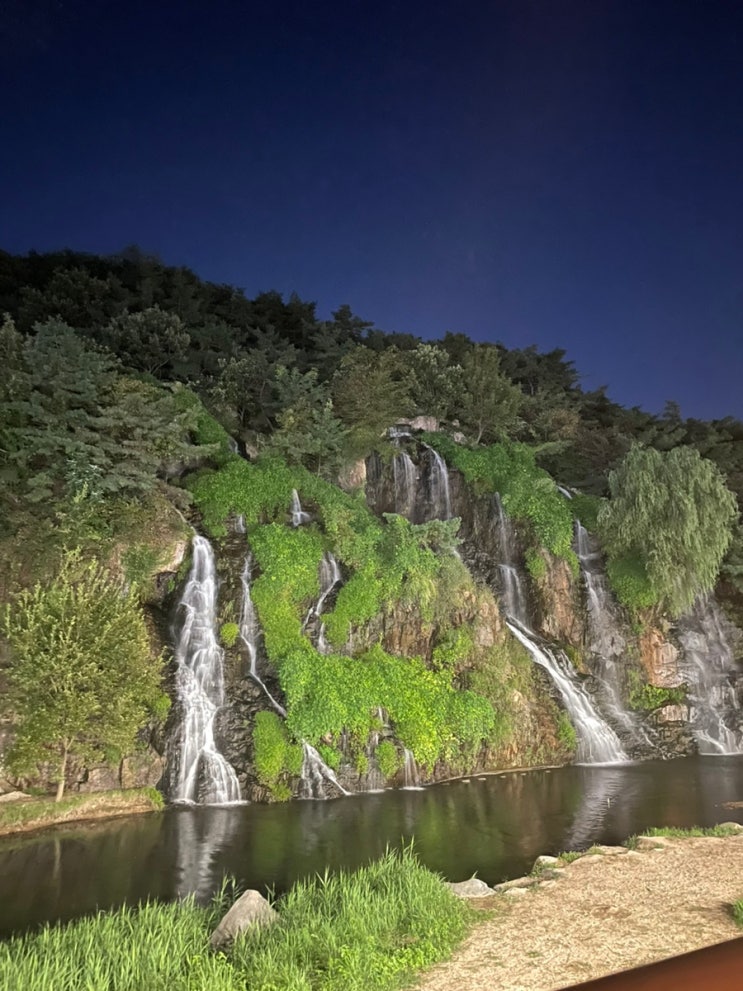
(228, 634)
(388, 759)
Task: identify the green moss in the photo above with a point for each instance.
(228, 634)
(535, 564)
(388, 759)
(566, 732)
(629, 580)
(275, 756)
(646, 698)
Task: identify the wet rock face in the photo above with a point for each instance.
(660, 659)
(561, 615)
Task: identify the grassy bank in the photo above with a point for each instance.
(369, 930)
(36, 813)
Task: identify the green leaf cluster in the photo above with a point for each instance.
(275, 757)
(527, 492)
(82, 678)
(672, 512)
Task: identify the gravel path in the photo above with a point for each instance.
(605, 913)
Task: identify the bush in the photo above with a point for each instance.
(388, 759)
(228, 634)
(275, 756)
(630, 583)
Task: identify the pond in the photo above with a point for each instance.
(494, 825)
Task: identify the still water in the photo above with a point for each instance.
(494, 826)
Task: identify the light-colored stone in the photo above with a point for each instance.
(517, 882)
(652, 842)
(472, 888)
(516, 892)
(251, 909)
(610, 851)
(660, 660)
(672, 714)
(15, 796)
(545, 861)
(587, 858)
(735, 826)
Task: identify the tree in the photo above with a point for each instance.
(82, 677)
(371, 391)
(308, 433)
(490, 403)
(671, 512)
(438, 383)
(149, 340)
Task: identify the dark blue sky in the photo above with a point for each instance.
(565, 173)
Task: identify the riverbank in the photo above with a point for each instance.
(604, 912)
(27, 814)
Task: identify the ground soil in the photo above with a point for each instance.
(606, 913)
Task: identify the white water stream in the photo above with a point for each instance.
(204, 775)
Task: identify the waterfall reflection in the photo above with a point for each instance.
(199, 840)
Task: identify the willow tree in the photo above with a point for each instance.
(82, 678)
(667, 525)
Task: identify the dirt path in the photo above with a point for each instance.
(605, 913)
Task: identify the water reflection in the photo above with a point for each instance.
(495, 826)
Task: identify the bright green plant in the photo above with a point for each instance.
(82, 678)
(566, 732)
(646, 698)
(526, 490)
(672, 512)
(228, 634)
(737, 912)
(274, 755)
(535, 564)
(388, 759)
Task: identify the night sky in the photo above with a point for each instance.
(565, 173)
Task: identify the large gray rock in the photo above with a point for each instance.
(251, 909)
(472, 888)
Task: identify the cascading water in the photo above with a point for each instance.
(439, 496)
(250, 633)
(316, 776)
(405, 479)
(204, 776)
(513, 596)
(597, 741)
(330, 576)
(606, 643)
(711, 673)
(299, 517)
(410, 777)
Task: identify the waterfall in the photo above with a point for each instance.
(204, 775)
(238, 524)
(330, 576)
(439, 497)
(607, 645)
(597, 742)
(299, 517)
(250, 633)
(316, 775)
(514, 599)
(710, 671)
(410, 777)
(405, 478)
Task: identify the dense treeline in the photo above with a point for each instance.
(92, 338)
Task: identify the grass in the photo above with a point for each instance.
(36, 813)
(680, 833)
(737, 912)
(371, 929)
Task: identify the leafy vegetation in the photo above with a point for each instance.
(37, 812)
(672, 515)
(526, 490)
(737, 912)
(371, 929)
(646, 698)
(275, 756)
(81, 675)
